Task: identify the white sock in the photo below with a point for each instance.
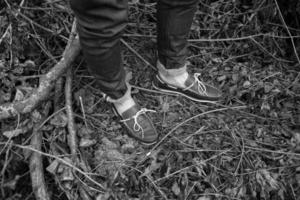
(177, 80)
(124, 104)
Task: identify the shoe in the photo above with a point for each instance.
(195, 90)
(138, 124)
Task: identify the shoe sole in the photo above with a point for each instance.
(182, 94)
(128, 132)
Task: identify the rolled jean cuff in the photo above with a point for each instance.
(170, 72)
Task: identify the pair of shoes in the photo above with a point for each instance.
(138, 123)
(195, 89)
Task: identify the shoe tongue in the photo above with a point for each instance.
(130, 112)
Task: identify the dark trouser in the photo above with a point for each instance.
(100, 26)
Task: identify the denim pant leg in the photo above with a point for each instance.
(174, 21)
(100, 25)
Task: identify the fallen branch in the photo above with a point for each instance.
(72, 139)
(46, 83)
(36, 165)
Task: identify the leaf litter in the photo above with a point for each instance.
(250, 153)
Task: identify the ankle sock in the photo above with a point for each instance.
(177, 80)
(175, 77)
(124, 104)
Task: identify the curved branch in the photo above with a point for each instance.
(46, 83)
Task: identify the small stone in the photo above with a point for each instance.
(232, 89)
(244, 72)
(268, 88)
(235, 78)
(87, 142)
(128, 148)
(246, 84)
(221, 78)
(13, 133)
(236, 68)
(52, 167)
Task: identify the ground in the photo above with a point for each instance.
(247, 146)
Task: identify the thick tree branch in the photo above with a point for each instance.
(46, 83)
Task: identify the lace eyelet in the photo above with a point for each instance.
(200, 85)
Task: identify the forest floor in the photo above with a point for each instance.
(247, 146)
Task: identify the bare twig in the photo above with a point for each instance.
(271, 35)
(292, 40)
(83, 111)
(6, 163)
(41, 27)
(204, 161)
(61, 160)
(241, 38)
(288, 31)
(267, 52)
(9, 28)
(191, 118)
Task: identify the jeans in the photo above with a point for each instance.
(100, 26)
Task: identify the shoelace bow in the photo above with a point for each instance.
(137, 127)
(201, 87)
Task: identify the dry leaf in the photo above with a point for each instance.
(19, 95)
(165, 107)
(246, 84)
(221, 78)
(175, 189)
(13, 133)
(152, 167)
(12, 183)
(27, 152)
(87, 142)
(52, 167)
(36, 116)
(109, 144)
(104, 196)
(204, 198)
(59, 120)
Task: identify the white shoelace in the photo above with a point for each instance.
(201, 87)
(137, 127)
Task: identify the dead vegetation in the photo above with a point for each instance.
(60, 140)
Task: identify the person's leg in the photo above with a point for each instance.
(100, 25)
(174, 21)
(173, 26)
